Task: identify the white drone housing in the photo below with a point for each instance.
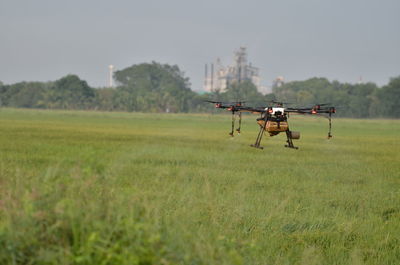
(282, 110)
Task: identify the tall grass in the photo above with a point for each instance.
(123, 188)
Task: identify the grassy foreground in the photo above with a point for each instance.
(122, 188)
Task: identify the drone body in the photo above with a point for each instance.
(274, 120)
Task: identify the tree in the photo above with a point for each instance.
(354, 99)
(389, 98)
(70, 92)
(105, 99)
(23, 94)
(153, 87)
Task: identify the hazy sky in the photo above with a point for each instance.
(43, 40)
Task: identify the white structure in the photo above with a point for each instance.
(240, 71)
(279, 81)
(110, 75)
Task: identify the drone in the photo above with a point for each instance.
(274, 119)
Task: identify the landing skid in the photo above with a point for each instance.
(289, 140)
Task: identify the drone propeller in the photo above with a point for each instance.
(226, 105)
(320, 105)
(279, 103)
(328, 110)
(229, 102)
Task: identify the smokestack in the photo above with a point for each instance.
(205, 77)
(110, 75)
(212, 77)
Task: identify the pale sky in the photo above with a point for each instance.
(43, 40)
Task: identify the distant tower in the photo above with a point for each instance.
(278, 82)
(110, 75)
(241, 65)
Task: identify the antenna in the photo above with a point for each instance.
(110, 75)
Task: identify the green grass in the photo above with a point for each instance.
(128, 188)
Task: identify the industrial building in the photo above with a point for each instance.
(220, 77)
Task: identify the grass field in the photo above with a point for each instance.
(128, 188)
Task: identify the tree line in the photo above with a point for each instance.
(154, 87)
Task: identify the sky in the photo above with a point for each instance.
(43, 40)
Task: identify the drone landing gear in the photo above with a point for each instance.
(258, 140)
(240, 122)
(289, 140)
(259, 136)
(330, 126)
(233, 123)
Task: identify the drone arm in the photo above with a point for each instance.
(298, 111)
(319, 112)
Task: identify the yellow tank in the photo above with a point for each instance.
(274, 127)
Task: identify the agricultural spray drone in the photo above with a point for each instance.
(274, 119)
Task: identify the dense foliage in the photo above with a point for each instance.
(353, 100)
(154, 87)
